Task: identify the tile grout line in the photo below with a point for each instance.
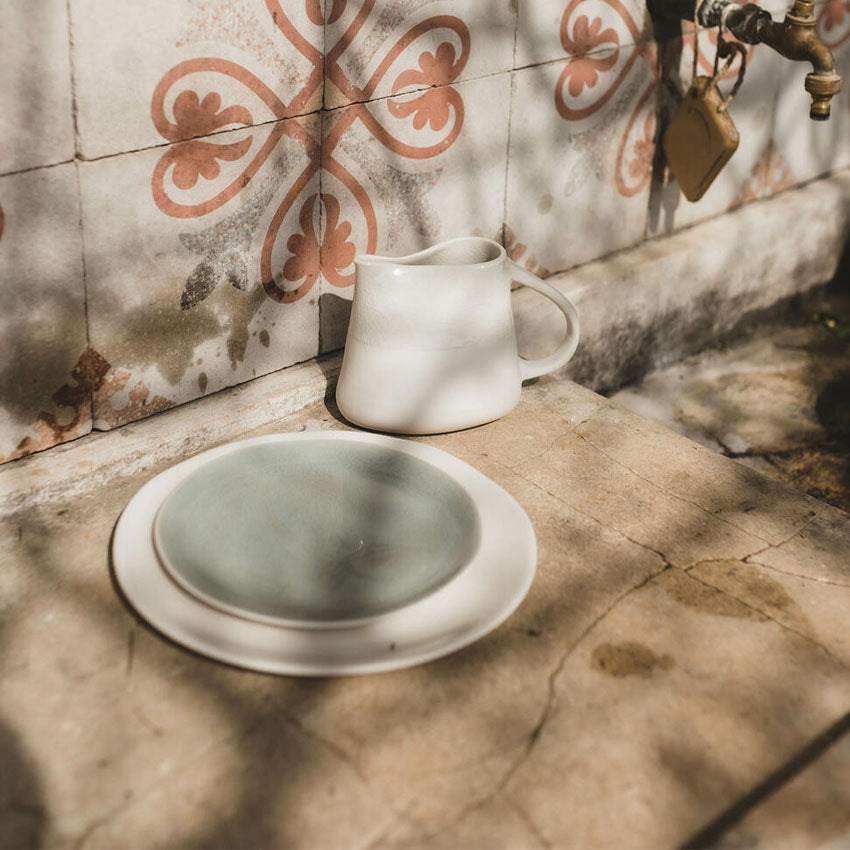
(73, 76)
(165, 144)
(320, 281)
(89, 366)
(29, 169)
(507, 159)
(510, 120)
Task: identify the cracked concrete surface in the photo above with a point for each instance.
(778, 400)
(685, 637)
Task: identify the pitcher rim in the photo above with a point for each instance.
(405, 260)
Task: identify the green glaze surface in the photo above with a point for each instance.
(315, 531)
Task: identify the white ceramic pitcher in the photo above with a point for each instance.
(431, 344)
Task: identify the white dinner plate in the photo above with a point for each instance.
(479, 596)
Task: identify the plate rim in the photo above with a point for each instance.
(496, 580)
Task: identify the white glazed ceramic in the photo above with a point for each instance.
(472, 602)
(431, 344)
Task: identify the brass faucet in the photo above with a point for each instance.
(795, 38)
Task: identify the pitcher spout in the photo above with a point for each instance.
(462, 251)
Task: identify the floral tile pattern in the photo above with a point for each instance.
(400, 174)
(549, 30)
(235, 155)
(377, 49)
(263, 55)
(45, 374)
(36, 125)
(598, 145)
(199, 299)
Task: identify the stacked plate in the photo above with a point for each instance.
(323, 553)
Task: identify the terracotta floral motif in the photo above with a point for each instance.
(586, 37)
(520, 253)
(87, 375)
(323, 245)
(588, 82)
(770, 174)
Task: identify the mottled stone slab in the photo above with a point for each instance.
(656, 669)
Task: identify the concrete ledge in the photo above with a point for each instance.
(670, 297)
(80, 466)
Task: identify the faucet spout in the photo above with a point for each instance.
(796, 39)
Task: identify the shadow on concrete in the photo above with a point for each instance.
(23, 814)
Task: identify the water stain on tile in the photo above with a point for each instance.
(752, 586)
(628, 659)
(226, 245)
(693, 593)
(158, 334)
(241, 312)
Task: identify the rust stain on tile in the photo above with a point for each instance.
(74, 400)
(112, 410)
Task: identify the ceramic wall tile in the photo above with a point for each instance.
(401, 174)
(161, 70)
(756, 169)
(45, 382)
(36, 122)
(375, 49)
(555, 29)
(190, 252)
(580, 158)
(811, 148)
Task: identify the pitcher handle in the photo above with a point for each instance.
(534, 368)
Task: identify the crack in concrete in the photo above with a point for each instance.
(585, 514)
(667, 492)
(772, 619)
(526, 818)
(545, 451)
(787, 540)
(549, 704)
(798, 575)
(327, 744)
(154, 785)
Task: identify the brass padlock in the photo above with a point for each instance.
(702, 137)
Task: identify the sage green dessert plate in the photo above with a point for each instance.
(313, 533)
(324, 553)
